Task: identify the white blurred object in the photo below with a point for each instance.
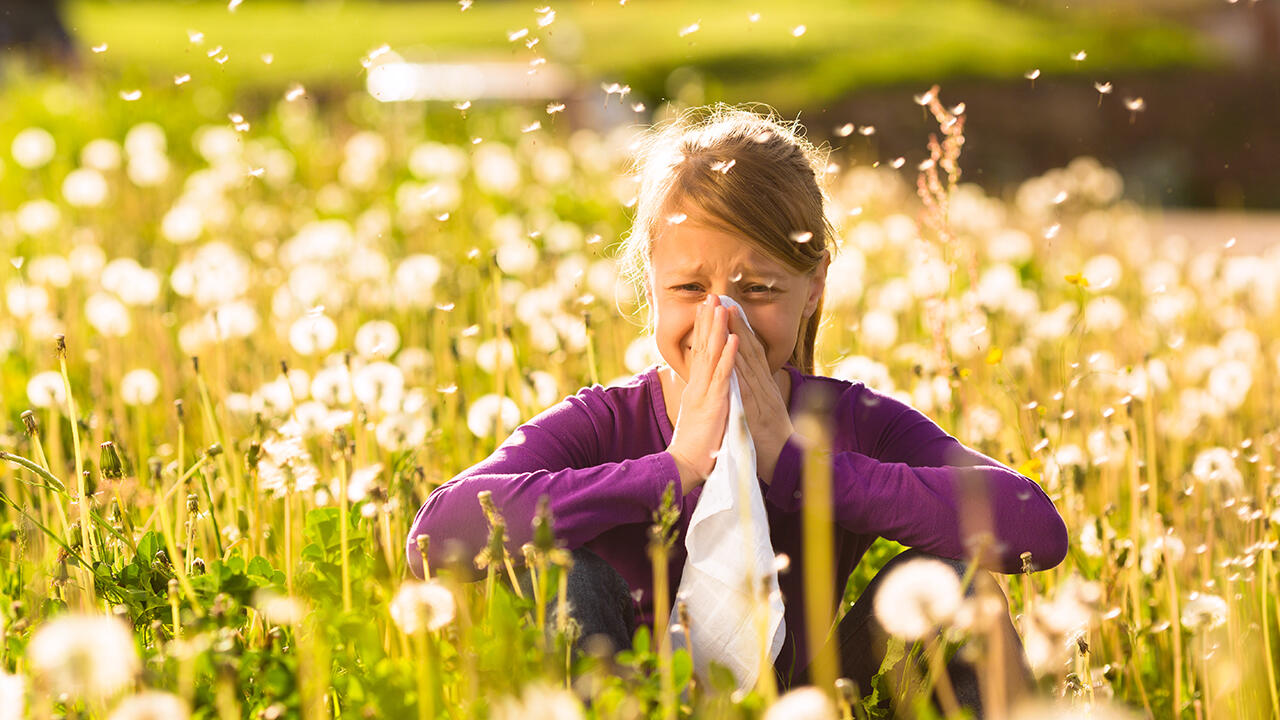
(405, 81)
(731, 558)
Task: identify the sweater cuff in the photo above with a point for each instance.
(668, 473)
(784, 487)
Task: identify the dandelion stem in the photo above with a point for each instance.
(1265, 581)
(819, 556)
(344, 504)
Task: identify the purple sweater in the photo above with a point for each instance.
(600, 457)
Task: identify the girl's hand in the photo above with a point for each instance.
(762, 402)
(704, 403)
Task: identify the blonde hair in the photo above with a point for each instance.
(750, 174)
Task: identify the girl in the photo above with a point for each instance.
(730, 204)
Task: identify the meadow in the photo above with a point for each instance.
(239, 347)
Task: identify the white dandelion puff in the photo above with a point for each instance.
(89, 656)
(918, 597)
(1203, 612)
(419, 606)
(489, 412)
(805, 703)
(139, 387)
(151, 705)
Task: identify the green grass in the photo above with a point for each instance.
(845, 46)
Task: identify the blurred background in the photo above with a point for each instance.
(1179, 96)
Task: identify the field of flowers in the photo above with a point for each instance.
(239, 346)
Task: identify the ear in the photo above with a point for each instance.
(817, 284)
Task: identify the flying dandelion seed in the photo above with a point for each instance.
(531, 42)
(1032, 75)
(898, 162)
(867, 130)
(676, 218)
(1103, 88)
(615, 89)
(1134, 106)
(99, 48)
(267, 58)
(295, 92)
(845, 130)
(548, 16)
(130, 95)
(1079, 56)
(222, 59)
(924, 98)
(637, 107)
(535, 125)
(181, 79)
(238, 122)
(926, 165)
(1230, 243)
(464, 5)
(690, 29)
(214, 51)
(553, 108)
(803, 236)
(233, 4)
(256, 172)
(798, 30)
(1060, 198)
(753, 17)
(514, 35)
(462, 106)
(195, 37)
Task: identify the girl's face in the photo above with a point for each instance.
(691, 259)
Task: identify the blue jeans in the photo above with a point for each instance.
(601, 604)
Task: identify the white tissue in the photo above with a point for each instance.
(730, 557)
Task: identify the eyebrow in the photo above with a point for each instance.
(695, 270)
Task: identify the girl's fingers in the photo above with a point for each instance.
(751, 346)
(727, 356)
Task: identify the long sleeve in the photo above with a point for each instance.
(558, 454)
(907, 480)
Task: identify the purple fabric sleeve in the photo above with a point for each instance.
(557, 454)
(923, 488)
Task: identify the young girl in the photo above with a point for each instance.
(730, 204)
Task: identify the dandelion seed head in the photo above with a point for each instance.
(151, 705)
(84, 656)
(419, 606)
(1203, 612)
(804, 703)
(490, 411)
(917, 597)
